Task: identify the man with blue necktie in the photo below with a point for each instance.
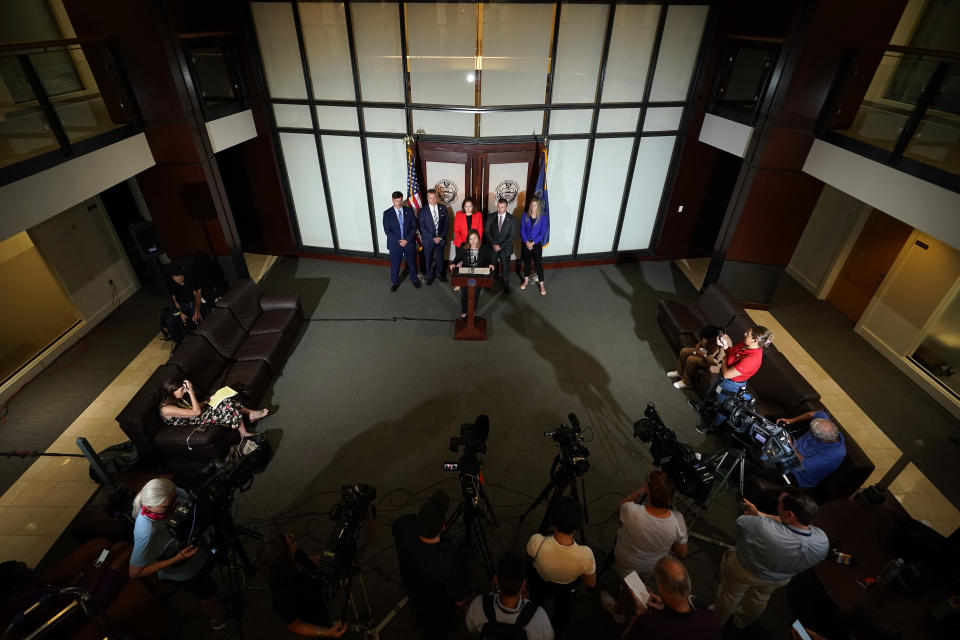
(433, 234)
(400, 225)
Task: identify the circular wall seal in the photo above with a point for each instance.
(508, 190)
(446, 190)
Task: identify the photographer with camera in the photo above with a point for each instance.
(708, 353)
(770, 551)
(560, 563)
(431, 568)
(505, 614)
(298, 596)
(156, 550)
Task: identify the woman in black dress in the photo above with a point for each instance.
(472, 254)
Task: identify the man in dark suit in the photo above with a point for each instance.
(499, 232)
(401, 228)
(434, 223)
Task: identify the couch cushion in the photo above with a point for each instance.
(273, 348)
(243, 300)
(209, 444)
(777, 383)
(222, 331)
(249, 377)
(718, 307)
(677, 318)
(140, 419)
(199, 361)
(281, 320)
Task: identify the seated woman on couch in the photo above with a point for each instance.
(708, 353)
(180, 408)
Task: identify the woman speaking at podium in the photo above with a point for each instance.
(472, 254)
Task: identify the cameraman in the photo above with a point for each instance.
(560, 563)
(297, 592)
(770, 551)
(155, 548)
(431, 568)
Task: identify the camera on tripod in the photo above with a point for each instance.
(768, 443)
(573, 455)
(350, 514)
(679, 461)
(473, 439)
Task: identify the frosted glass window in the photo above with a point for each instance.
(565, 164)
(442, 49)
(516, 51)
(385, 120)
(348, 192)
(388, 173)
(324, 27)
(604, 194)
(376, 34)
(306, 188)
(342, 118)
(279, 50)
(293, 115)
(646, 190)
(579, 49)
(443, 123)
(511, 123)
(662, 119)
(678, 52)
(618, 120)
(634, 29)
(570, 120)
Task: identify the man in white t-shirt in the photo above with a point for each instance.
(506, 606)
(560, 562)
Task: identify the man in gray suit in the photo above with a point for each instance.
(499, 233)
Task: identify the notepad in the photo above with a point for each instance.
(639, 589)
(222, 394)
(475, 271)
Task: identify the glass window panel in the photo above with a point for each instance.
(565, 164)
(443, 123)
(516, 51)
(608, 172)
(279, 50)
(634, 29)
(511, 123)
(44, 311)
(618, 120)
(343, 118)
(348, 192)
(388, 173)
(385, 120)
(570, 120)
(662, 118)
(442, 49)
(678, 51)
(324, 27)
(579, 48)
(293, 115)
(306, 188)
(376, 34)
(649, 174)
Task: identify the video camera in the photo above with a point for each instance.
(350, 515)
(768, 443)
(573, 455)
(473, 439)
(679, 461)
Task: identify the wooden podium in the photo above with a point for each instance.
(471, 327)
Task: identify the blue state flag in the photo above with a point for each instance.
(541, 192)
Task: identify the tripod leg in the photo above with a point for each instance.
(557, 494)
(487, 506)
(540, 498)
(742, 467)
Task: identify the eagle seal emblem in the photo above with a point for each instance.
(508, 190)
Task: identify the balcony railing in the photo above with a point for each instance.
(899, 106)
(743, 75)
(59, 99)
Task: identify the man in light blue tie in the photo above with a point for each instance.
(401, 228)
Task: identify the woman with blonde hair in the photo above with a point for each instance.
(155, 549)
(534, 231)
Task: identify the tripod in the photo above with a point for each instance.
(736, 459)
(477, 514)
(563, 476)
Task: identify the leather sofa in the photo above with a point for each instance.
(779, 389)
(243, 343)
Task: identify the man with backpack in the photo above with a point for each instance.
(505, 614)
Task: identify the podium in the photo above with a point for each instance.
(471, 327)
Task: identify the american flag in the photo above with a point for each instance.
(413, 191)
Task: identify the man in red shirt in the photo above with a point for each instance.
(742, 361)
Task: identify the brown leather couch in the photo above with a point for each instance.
(779, 389)
(243, 343)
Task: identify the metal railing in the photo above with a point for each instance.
(59, 99)
(743, 75)
(899, 106)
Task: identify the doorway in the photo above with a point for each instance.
(871, 257)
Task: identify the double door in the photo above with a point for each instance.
(485, 173)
